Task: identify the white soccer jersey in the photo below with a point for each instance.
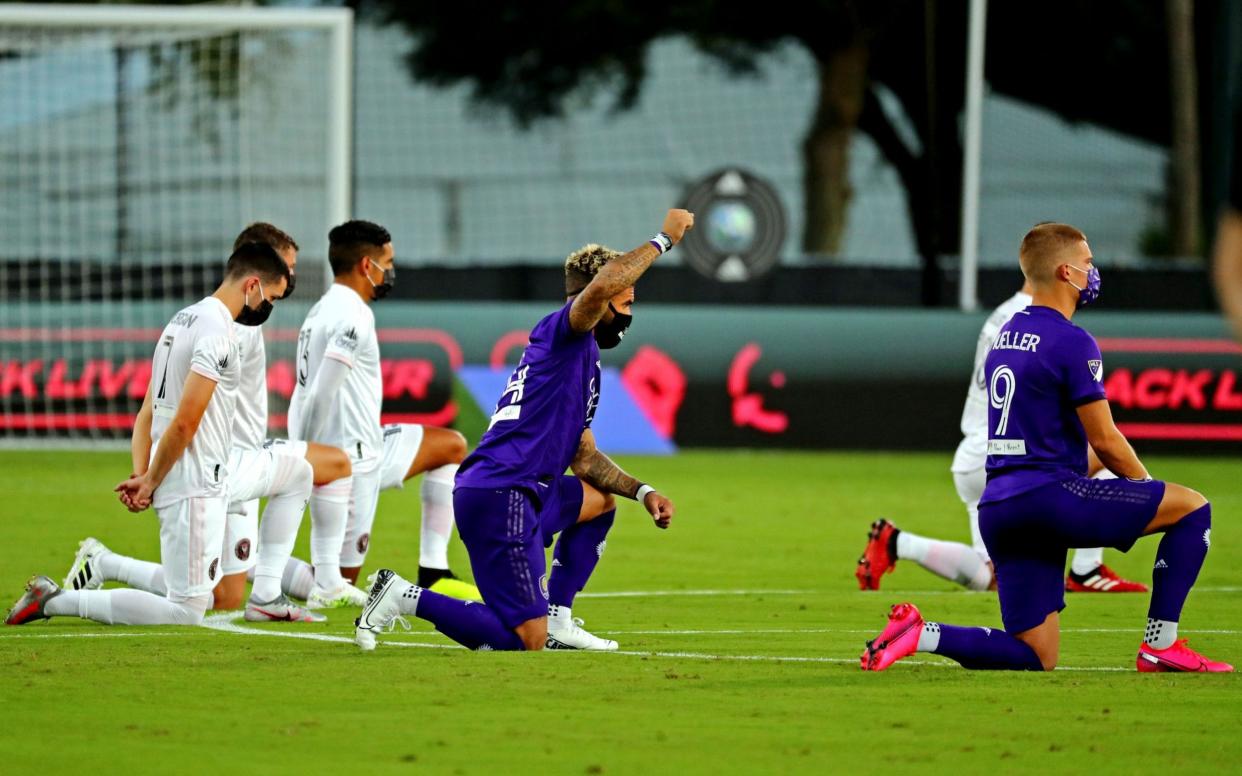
(342, 327)
(198, 339)
(972, 452)
(250, 426)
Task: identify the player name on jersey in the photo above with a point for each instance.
(1017, 340)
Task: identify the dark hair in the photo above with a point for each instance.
(258, 258)
(351, 241)
(263, 232)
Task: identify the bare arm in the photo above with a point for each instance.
(1228, 268)
(140, 442)
(621, 273)
(598, 470)
(1112, 448)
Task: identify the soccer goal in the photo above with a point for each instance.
(135, 143)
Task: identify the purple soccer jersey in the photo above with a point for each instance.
(549, 401)
(1040, 370)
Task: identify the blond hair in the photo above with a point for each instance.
(1043, 250)
(583, 264)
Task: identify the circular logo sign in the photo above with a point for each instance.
(739, 226)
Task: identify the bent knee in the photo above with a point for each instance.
(1048, 663)
(610, 503)
(455, 446)
(228, 601)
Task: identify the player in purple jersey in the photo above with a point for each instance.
(1046, 403)
(512, 493)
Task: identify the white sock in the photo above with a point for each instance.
(929, 639)
(408, 600)
(1086, 561)
(278, 528)
(954, 561)
(1160, 633)
(138, 574)
(298, 578)
(128, 607)
(329, 517)
(437, 527)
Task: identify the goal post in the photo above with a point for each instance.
(135, 143)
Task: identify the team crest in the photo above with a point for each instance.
(364, 542)
(242, 549)
(543, 585)
(1097, 369)
(211, 570)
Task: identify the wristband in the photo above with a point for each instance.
(643, 490)
(661, 242)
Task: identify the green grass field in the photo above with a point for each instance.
(741, 628)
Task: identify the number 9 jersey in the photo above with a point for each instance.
(1040, 370)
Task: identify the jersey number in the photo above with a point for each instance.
(165, 351)
(1001, 390)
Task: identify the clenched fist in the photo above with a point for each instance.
(676, 223)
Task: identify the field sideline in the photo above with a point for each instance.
(740, 627)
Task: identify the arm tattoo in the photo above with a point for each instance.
(599, 470)
(613, 278)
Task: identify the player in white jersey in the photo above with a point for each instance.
(182, 437)
(336, 401)
(970, 566)
(257, 471)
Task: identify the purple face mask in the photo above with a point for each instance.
(1090, 292)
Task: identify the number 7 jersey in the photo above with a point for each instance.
(1040, 370)
(198, 339)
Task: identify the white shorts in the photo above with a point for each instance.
(253, 474)
(287, 446)
(362, 502)
(191, 535)
(401, 443)
(970, 490)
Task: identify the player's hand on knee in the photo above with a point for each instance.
(677, 223)
(661, 509)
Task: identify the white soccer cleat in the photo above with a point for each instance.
(383, 609)
(565, 632)
(84, 573)
(279, 609)
(339, 598)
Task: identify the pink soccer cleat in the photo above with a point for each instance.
(899, 639)
(1178, 657)
(876, 560)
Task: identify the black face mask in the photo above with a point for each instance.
(293, 281)
(609, 335)
(384, 286)
(254, 316)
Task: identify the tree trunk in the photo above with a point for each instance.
(1185, 209)
(826, 149)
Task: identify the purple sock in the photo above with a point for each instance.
(473, 625)
(578, 550)
(1178, 560)
(986, 649)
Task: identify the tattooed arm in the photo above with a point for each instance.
(596, 469)
(621, 273)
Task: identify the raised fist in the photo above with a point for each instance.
(676, 223)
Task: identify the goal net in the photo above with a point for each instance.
(135, 143)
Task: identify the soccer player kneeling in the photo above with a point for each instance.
(1046, 403)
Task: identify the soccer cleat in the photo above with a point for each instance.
(39, 590)
(899, 639)
(1101, 579)
(455, 588)
(341, 597)
(1178, 657)
(382, 610)
(84, 573)
(565, 632)
(877, 558)
(279, 609)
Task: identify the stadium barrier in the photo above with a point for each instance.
(702, 375)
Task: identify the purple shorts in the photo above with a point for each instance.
(562, 501)
(505, 531)
(1029, 534)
